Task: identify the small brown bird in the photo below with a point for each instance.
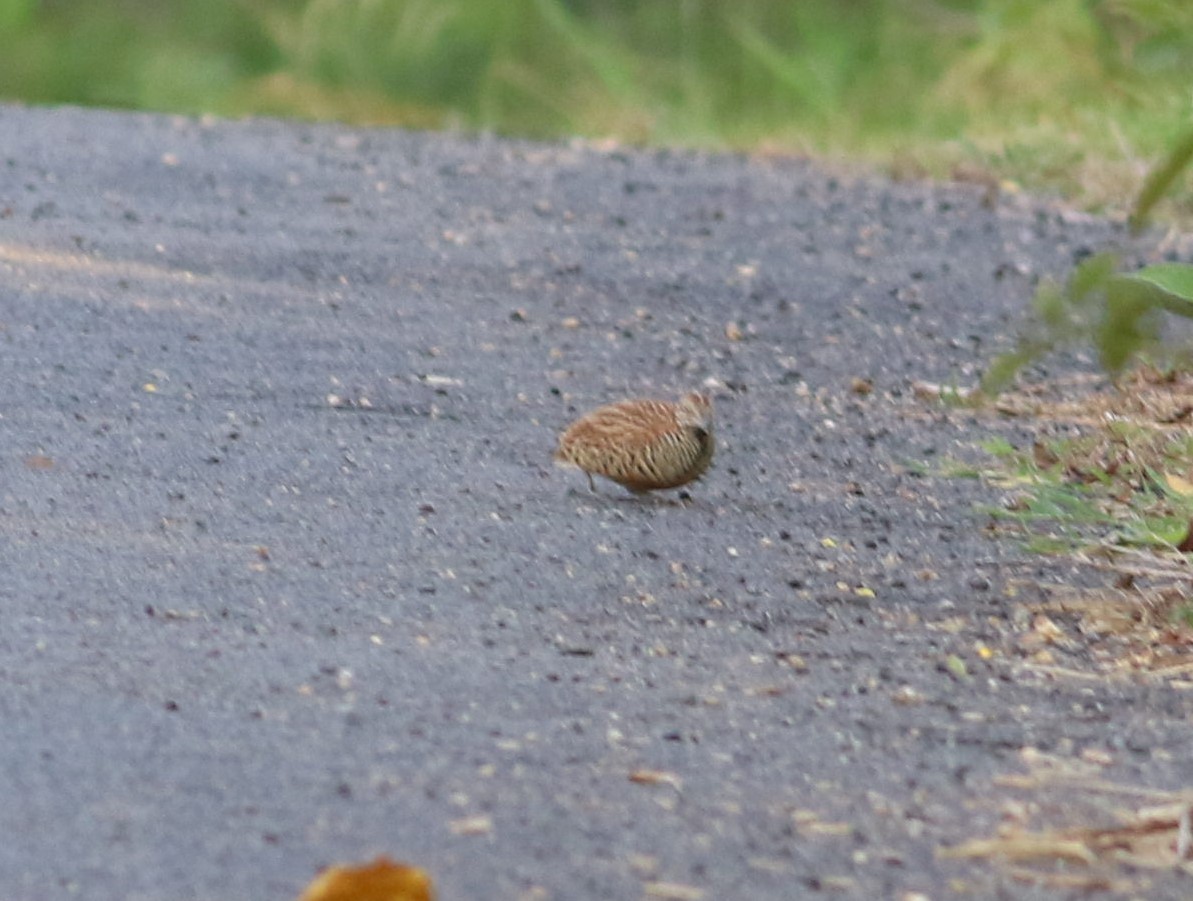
(645, 445)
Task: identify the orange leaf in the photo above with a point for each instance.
(381, 880)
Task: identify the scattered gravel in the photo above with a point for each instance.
(291, 579)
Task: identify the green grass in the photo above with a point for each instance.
(1077, 95)
(1118, 485)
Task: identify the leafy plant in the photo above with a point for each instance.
(1119, 313)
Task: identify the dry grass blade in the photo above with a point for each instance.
(1154, 837)
(1026, 846)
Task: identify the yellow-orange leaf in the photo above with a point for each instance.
(1179, 485)
(381, 880)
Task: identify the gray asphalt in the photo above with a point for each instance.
(290, 579)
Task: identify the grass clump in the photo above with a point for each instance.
(1119, 474)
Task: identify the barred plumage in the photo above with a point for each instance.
(645, 445)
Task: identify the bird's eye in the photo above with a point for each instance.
(700, 433)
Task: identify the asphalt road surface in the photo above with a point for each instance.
(290, 579)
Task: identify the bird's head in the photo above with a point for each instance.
(695, 412)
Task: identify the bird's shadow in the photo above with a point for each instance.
(644, 499)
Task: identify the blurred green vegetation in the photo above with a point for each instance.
(1079, 95)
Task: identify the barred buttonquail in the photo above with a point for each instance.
(645, 445)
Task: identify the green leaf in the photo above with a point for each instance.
(1090, 277)
(957, 666)
(1130, 323)
(16, 14)
(1174, 279)
(1005, 367)
(1134, 301)
(1052, 306)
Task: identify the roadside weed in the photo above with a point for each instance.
(1118, 475)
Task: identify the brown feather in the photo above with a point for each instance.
(645, 445)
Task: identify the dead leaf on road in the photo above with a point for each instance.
(381, 880)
